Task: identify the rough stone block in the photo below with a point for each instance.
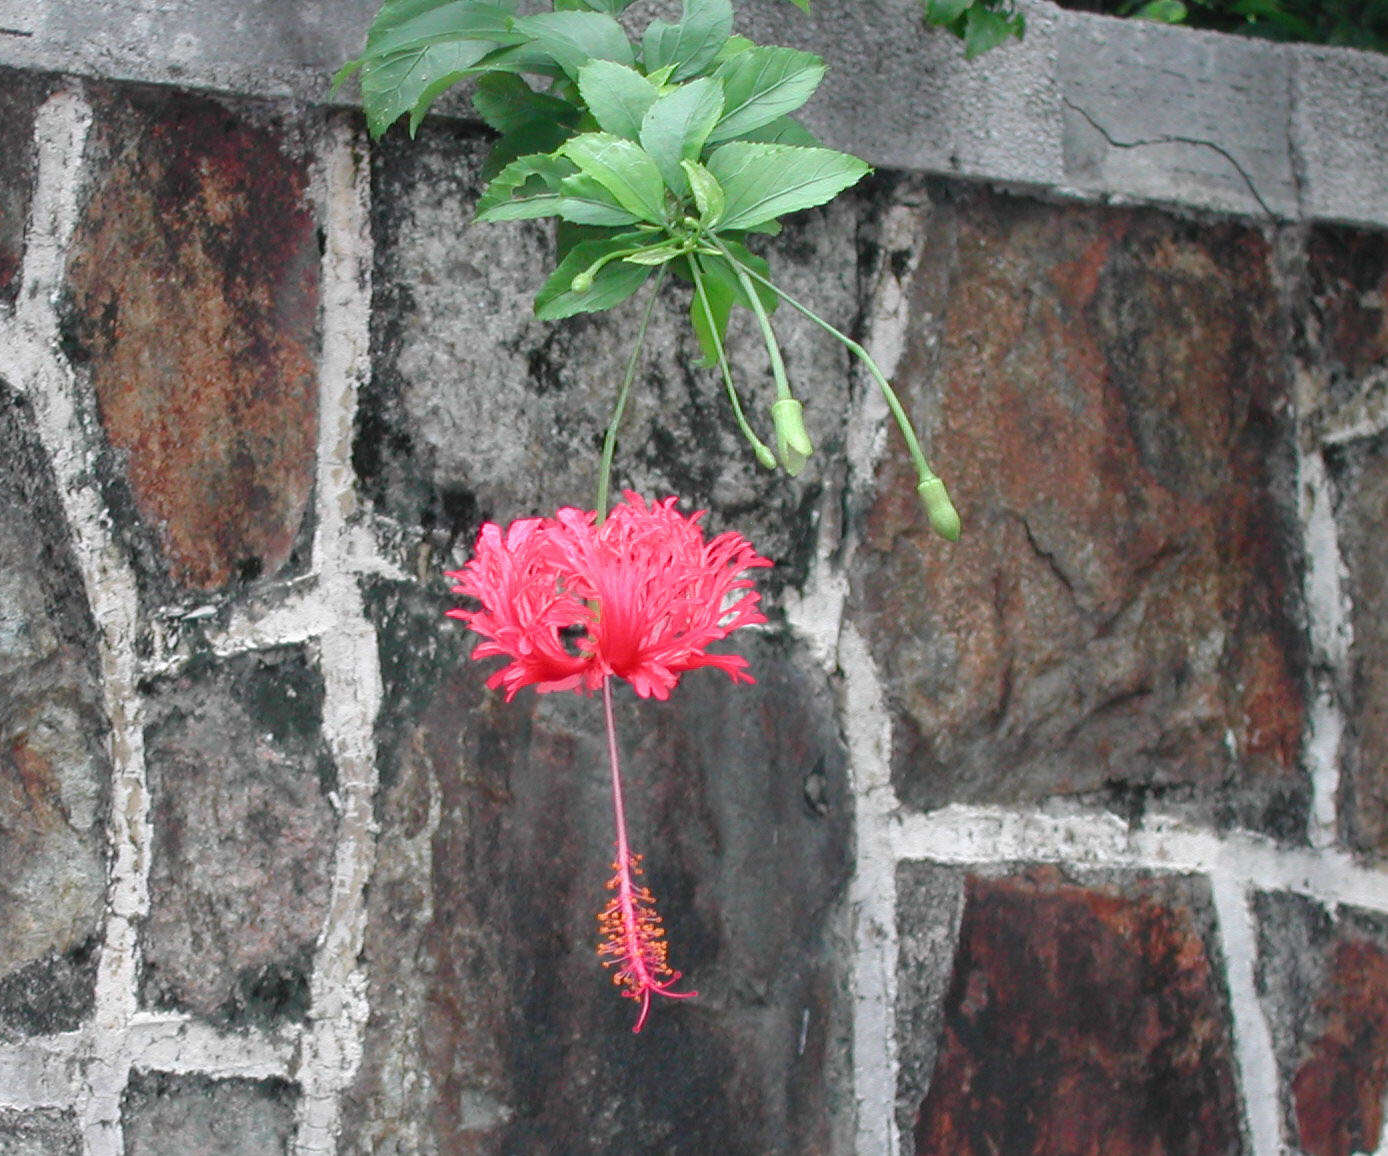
(1078, 1015)
(477, 410)
(54, 773)
(239, 781)
(1105, 394)
(493, 1027)
(163, 1114)
(1343, 330)
(1148, 110)
(1361, 475)
(1323, 978)
(1341, 98)
(192, 304)
(43, 1132)
(19, 94)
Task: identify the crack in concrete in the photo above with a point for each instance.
(1165, 138)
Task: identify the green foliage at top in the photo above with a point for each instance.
(657, 156)
(663, 152)
(984, 24)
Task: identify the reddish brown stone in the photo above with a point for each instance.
(194, 294)
(1104, 393)
(18, 96)
(1347, 273)
(1339, 1089)
(1363, 479)
(1079, 1022)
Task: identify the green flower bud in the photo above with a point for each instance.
(944, 518)
(582, 282)
(793, 446)
(765, 456)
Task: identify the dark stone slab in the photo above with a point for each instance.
(1323, 977)
(1080, 1016)
(1345, 330)
(1105, 391)
(192, 303)
(41, 1132)
(1361, 475)
(477, 410)
(54, 772)
(163, 1114)
(239, 778)
(493, 1027)
(20, 94)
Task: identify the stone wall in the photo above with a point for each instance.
(1069, 838)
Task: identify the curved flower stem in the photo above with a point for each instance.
(927, 481)
(632, 937)
(609, 441)
(764, 454)
(773, 349)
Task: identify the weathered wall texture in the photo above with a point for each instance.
(1069, 838)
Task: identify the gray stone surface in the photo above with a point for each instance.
(164, 1114)
(1184, 111)
(243, 837)
(42, 1132)
(1338, 116)
(1172, 115)
(54, 773)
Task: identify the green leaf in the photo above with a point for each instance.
(984, 30)
(623, 169)
(613, 283)
(764, 181)
(527, 187)
(761, 85)
(540, 136)
(611, 7)
(617, 96)
(944, 12)
(803, 5)
(416, 49)
(692, 44)
(708, 193)
(654, 255)
(676, 126)
(732, 46)
(1162, 11)
(572, 39)
(507, 104)
(439, 22)
(785, 130)
(548, 186)
(585, 202)
(390, 88)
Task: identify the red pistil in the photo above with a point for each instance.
(633, 941)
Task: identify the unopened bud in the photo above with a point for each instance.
(582, 282)
(792, 441)
(944, 518)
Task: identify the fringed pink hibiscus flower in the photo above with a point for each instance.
(640, 597)
(572, 604)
